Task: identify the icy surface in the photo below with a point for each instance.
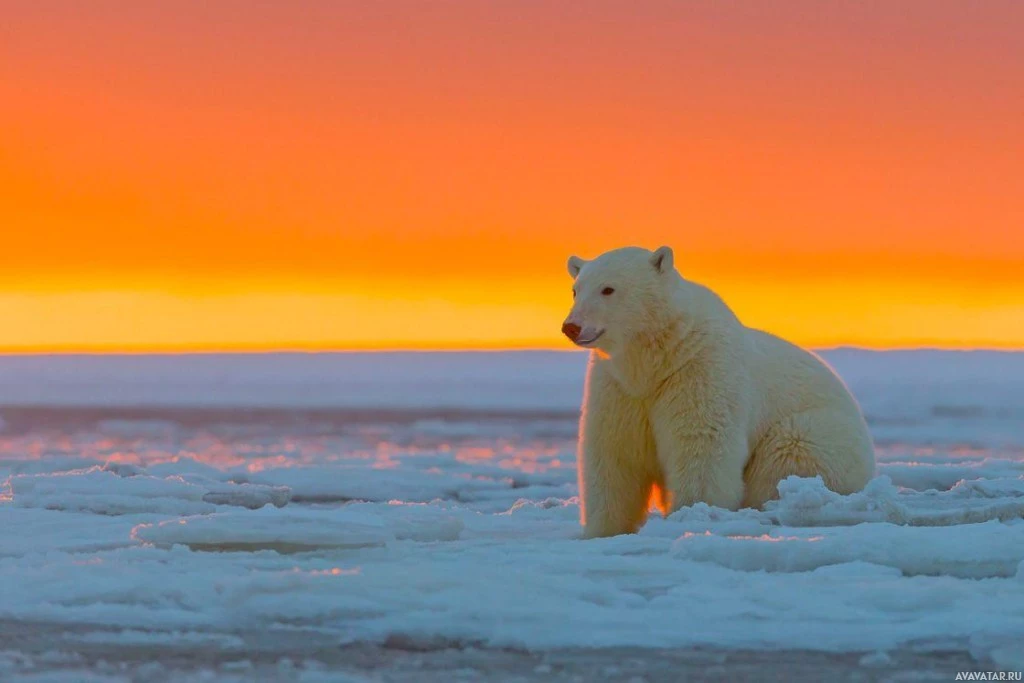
(433, 500)
(119, 490)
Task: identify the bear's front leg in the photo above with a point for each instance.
(702, 448)
(617, 466)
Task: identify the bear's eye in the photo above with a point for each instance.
(573, 292)
(608, 291)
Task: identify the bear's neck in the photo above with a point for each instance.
(648, 359)
(677, 342)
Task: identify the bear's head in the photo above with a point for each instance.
(617, 296)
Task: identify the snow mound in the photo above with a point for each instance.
(922, 476)
(347, 483)
(972, 551)
(120, 489)
(701, 517)
(807, 502)
(955, 532)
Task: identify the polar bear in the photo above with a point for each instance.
(684, 404)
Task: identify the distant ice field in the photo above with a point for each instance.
(431, 499)
(921, 396)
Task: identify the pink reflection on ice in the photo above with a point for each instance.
(333, 571)
(127, 458)
(763, 538)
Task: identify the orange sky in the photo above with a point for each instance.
(196, 175)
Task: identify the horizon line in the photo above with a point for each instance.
(299, 349)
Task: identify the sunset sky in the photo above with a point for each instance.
(195, 175)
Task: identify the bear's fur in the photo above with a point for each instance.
(684, 404)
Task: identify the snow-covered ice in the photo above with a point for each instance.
(117, 490)
(433, 499)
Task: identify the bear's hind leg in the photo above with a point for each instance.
(826, 443)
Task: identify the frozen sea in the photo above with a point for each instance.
(413, 517)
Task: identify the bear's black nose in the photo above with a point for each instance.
(572, 331)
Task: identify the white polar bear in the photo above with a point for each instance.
(684, 404)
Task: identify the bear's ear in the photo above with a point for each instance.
(575, 264)
(661, 259)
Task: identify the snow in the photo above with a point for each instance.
(374, 511)
(113, 490)
(305, 530)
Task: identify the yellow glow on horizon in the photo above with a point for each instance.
(454, 315)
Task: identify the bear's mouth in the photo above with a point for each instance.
(591, 340)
